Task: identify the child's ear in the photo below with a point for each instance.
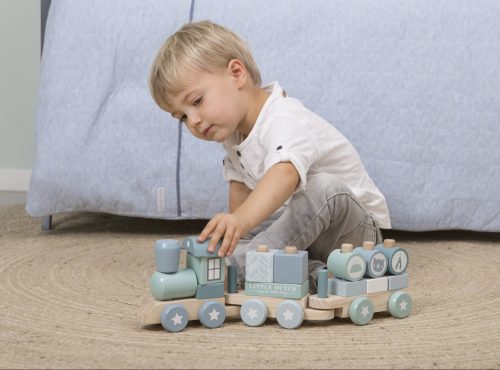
(238, 71)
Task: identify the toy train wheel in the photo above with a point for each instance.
(289, 314)
(212, 314)
(174, 317)
(399, 304)
(253, 312)
(361, 311)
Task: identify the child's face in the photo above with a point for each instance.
(210, 105)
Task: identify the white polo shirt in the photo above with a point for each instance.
(286, 131)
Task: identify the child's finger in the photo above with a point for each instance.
(234, 243)
(216, 236)
(209, 228)
(226, 243)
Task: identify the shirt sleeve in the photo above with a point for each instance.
(230, 172)
(288, 140)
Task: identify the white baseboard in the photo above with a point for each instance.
(14, 180)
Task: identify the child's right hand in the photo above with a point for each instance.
(225, 226)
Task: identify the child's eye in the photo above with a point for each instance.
(197, 101)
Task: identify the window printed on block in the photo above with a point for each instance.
(213, 269)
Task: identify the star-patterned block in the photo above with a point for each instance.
(289, 314)
(212, 314)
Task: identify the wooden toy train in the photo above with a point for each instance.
(189, 284)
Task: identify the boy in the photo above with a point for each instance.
(293, 178)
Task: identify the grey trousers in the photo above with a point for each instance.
(318, 219)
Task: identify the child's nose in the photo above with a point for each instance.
(194, 120)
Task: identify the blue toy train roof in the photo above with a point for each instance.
(198, 249)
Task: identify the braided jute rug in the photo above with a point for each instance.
(69, 299)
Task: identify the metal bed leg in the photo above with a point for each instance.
(47, 223)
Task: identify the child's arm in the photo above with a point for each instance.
(279, 182)
(238, 192)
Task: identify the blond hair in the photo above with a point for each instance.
(203, 46)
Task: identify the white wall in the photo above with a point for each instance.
(19, 81)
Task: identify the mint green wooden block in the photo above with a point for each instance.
(210, 291)
(278, 290)
(208, 269)
(348, 266)
(397, 281)
(171, 286)
(346, 288)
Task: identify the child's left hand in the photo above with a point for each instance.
(226, 226)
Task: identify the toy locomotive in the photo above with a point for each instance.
(189, 284)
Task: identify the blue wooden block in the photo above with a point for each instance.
(398, 281)
(232, 279)
(376, 262)
(167, 253)
(397, 257)
(346, 288)
(322, 283)
(210, 291)
(212, 314)
(290, 266)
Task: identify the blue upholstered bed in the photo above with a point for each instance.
(415, 85)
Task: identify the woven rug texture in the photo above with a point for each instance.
(69, 299)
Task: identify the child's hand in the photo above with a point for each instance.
(226, 226)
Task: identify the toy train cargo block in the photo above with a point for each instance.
(210, 291)
(376, 262)
(347, 288)
(290, 266)
(398, 281)
(277, 290)
(260, 265)
(345, 264)
(396, 256)
(377, 285)
(209, 267)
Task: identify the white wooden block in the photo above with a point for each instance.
(377, 285)
(259, 266)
